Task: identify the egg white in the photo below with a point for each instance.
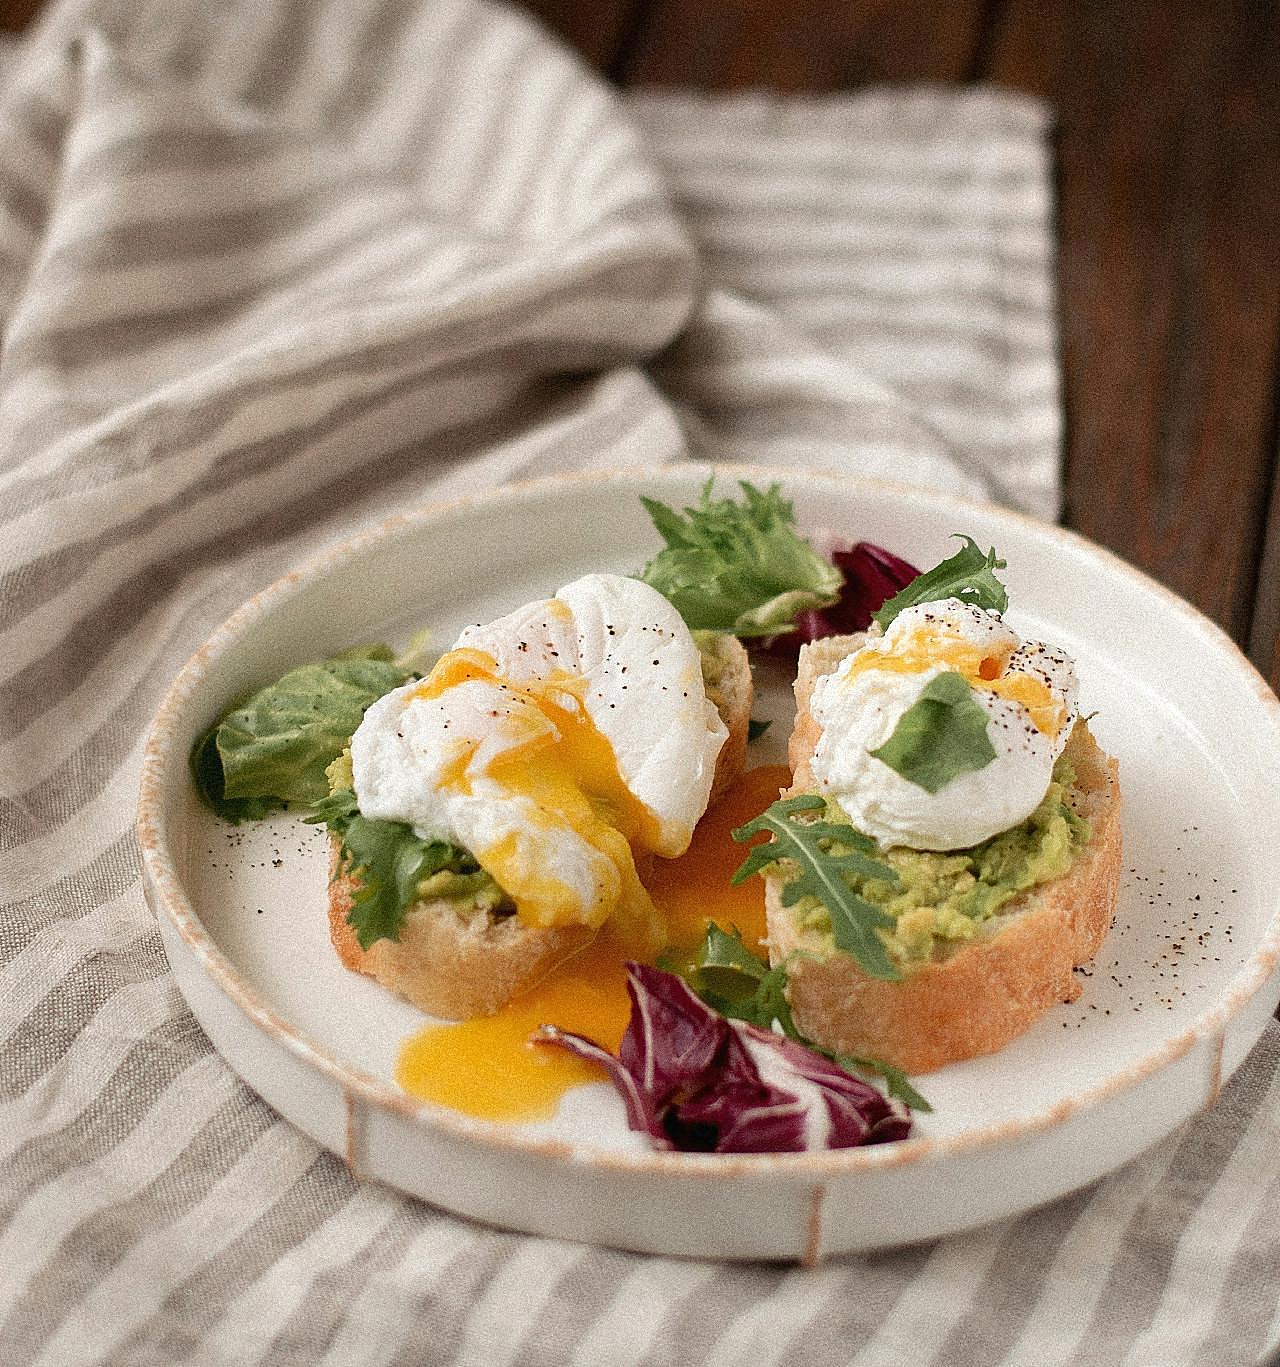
(450, 765)
(858, 706)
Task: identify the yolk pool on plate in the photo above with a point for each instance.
(488, 1067)
(695, 888)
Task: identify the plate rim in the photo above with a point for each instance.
(169, 897)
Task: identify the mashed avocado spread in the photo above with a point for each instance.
(714, 658)
(946, 895)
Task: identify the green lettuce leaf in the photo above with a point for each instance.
(738, 567)
(740, 985)
(273, 749)
(206, 770)
(941, 735)
(968, 575)
(822, 852)
(388, 861)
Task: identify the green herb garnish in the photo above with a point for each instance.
(274, 748)
(968, 575)
(738, 567)
(896, 1083)
(740, 985)
(388, 863)
(941, 735)
(823, 853)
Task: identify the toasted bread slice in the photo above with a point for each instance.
(975, 996)
(727, 679)
(452, 959)
(455, 960)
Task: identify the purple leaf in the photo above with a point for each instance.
(671, 1042)
(673, 1037)
(776, 1096)
(872, 576)
(641, 1114)
(693, 1080)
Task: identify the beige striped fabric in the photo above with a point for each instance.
(270, 270)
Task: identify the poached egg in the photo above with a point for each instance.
(1028, 690)
(554, 744)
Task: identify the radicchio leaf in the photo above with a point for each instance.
(673, 1035)
(872, 576)
(693, 1080)
(775, 1096)
(641, 1114)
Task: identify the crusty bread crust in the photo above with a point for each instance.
(733, 695)
(456, 961)
(451, 960)
(816, 659)
(972, 998)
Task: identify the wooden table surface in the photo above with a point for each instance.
(1168, 177)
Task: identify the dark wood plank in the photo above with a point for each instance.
(600, 31)
(1264, 634)
(1170, 225)
(1169, 146)
(16, 15)
(805, 45)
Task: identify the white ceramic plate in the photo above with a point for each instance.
(1179, 993)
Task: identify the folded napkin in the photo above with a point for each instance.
(270, 271)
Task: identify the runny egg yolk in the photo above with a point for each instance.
(569, 771)
(928, 648)
(489, 1067)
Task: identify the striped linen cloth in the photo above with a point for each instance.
(271, 270)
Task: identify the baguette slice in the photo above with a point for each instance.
(975, 996)
(457, 961)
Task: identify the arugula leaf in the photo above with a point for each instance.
(388, 861)
(824, 852)
(941, 735)
(738, 567)
(756, 729)
(740, 985)
(896, 1083)
(967, 575)
(274, 748)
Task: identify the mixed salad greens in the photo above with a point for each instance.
(742, 567)
(738, 566)
(742, 986)
(278, 749)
